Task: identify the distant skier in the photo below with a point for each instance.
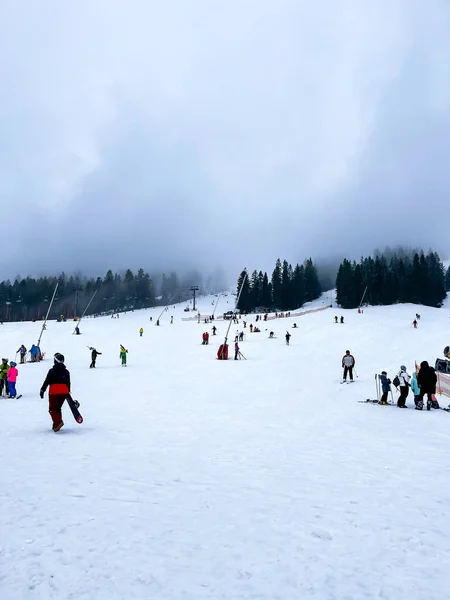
(4, 368)
(214, 329)
(294, 326)
(171, 320)
(13, 373)
(414, 324)
(241, 336)
(94, 354)
(236, 351)
(271, 334)
(58, 378)
(77, 330)
(418, 316)
(342, 319)
(23, 352)
(385, 387)
(288, 337)
(335, 319)
(427, 379)
(141, 331)
(404, 379)
(123, 355)
(348, 363)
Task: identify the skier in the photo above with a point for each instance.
(23, 352)
(335, 319)
(426, 378)
(141, 331)
(404, 379)
(385, 386)
(348, 362)
(236, 351)
(214, 329)
(251, 328)
(4, 368)
(94, 354)
(123, 355)
(77, 330)
(342, 319)
(171, 320)
(415, 390)
(414, 324)
(13, 373)
(288, 337)
(58, 378)
(241, 336)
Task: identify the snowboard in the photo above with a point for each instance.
(74, 405)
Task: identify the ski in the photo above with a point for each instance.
(74, 405)
(370, 401)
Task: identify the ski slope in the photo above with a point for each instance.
(194, 479)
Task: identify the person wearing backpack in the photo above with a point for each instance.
(403, 378)
(427, 379)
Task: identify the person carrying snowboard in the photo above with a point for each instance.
(23, 352)
(94, 354)
(123, 355)
(427, 379)
(348, 362)
(385, 387)
(404, 378)
(58, 378)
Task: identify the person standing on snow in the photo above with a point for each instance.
(23, 352)
(385, 387)
(415, 390)
(123, 355)
(141, 331)
(404, 379)
(348, 363)
(13, 373)
(236, 351)
(94, 354)
(58, 378)
(427, 379)
(288, 337)
(4, 368)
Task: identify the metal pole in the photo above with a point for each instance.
(363, 296)
(231, 320)
(194, 289)
(46, 316)
(217, 302)
(85, 310)
(167, 305)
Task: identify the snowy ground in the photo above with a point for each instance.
(194, 479)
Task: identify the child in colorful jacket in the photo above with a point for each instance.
(12, 375)
(123, 355)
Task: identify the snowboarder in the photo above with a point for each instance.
(426, 378)
(23, 352)
(13, 373)
(385, 387)
(94, 354)
(294, 326)
(271, 334)
(348, 362)
(4, 368)
(288, 337)
(141, 331)
(58, 378)
(123, 355)
(236, 351)
(404, 379)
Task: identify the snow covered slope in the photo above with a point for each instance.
(193, 478)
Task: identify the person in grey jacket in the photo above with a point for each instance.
(348, 362)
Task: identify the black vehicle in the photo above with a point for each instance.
(229, 314)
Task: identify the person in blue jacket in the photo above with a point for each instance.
(385, 387)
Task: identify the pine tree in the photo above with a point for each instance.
(312, 285)
(447, 280)
(266, 294)
(254, 294)
(277, 285)
(244, 302)
(298, 286)
(286, 302)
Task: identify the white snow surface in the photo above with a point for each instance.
(193, 478)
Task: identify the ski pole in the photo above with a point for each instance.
(354, 371)
(376, 386)
(240, 354)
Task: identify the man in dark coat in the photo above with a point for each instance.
(426, 378)
(94, 354)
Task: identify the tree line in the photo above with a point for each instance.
(388, 279)
(289, 288)
(29, 298)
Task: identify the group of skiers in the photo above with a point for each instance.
(422, 383)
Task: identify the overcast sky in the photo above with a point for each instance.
(204, 133)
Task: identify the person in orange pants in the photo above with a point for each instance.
(58, 378)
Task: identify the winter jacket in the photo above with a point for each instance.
(94, 354)
(404, 378)
(426, 378)
(414, 385)
(12, 374)
(4, 368)
(58, 378)
(22, 350)
(385, 383)
(348, 360)
(34, 350)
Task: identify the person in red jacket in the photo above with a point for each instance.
(58, 378)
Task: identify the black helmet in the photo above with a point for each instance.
(59, 358)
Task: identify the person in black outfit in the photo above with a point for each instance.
(58, 378)
(426, 378)
(94, 354)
